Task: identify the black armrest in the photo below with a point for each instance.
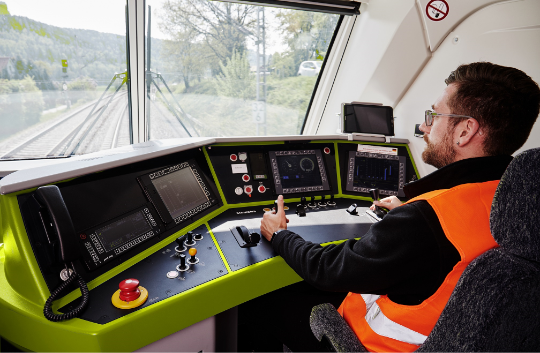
(326, 324)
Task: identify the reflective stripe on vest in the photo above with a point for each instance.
(382, 325)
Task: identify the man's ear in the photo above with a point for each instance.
(467, 130)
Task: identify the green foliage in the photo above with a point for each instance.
(236, 79)
(90, 53)
(21, 105)
(307, 34)
(82, 84)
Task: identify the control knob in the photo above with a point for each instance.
(193, 260)
(262, 189)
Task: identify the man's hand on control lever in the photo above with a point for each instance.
(388, 203)
(272, 221)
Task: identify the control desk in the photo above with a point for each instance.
(165, 233)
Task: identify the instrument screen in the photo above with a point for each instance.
(180, 191)
(298, 171)
(128, 228)
(371, 170)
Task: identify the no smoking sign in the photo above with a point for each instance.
(437, 10)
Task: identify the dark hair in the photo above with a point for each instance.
(504, 101)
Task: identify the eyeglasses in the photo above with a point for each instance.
(430, 114)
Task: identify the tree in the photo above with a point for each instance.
(307, 34)
(222, 27)
(185, 56)
(236, 79)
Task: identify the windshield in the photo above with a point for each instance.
(212, 69)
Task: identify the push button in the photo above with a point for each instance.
(129, 295)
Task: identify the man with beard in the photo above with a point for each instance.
(401, 273)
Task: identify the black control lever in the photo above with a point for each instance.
(189, 239)
(322, 203)
(244, 238)
(375, 196)
(312, 203)
(50, 198)
(331, 202)
(180, 241)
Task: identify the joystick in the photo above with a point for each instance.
(189, 241)
(181, 247)
(375, 196)
(301, 207)
(331, 202)
(183, 266)
(244, 238)
(312, 203)
(129, 295)
(193, 260)
(322, 203)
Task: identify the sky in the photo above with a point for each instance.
(105, 16)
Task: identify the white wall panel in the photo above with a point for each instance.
(507, 33)
(386, 49)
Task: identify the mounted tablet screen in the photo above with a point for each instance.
(368, 119)
(298, 171)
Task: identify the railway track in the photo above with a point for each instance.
(61, 137)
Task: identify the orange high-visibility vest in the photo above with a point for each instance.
(385, 326)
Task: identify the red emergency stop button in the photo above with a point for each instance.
(130, 295)
(129, 289)
(248, 189)
(245, 178)
(326, 150)
(233, 157)
(262, 189)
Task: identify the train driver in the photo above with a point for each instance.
(403, 270)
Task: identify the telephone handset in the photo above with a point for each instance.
(50, 198)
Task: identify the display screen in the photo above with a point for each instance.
(376, 173)
(385, 172)
(123, 230)
(258, 166)
(180, 191)
(368, 119)
(298, 171)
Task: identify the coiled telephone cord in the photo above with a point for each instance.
(47, 310)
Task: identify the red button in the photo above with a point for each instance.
(262, 189)
(129, 289)
(248, 190)
(327, 150)
(245, 177)
(234, 157)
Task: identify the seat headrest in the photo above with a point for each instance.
(515, 212)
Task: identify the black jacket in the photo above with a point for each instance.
(406, 255)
